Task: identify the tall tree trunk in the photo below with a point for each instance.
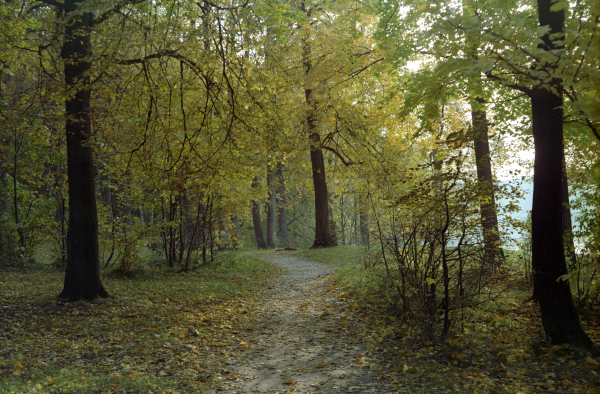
(15, 178)
(559, 318)
(494, 254)
(283, 229)
(342, 219)
(4, 160)
(258, 231)
(364, 221)
(238, 232)
(271, 208)
(82, 276)
(323, 238)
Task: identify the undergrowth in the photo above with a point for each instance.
(497, 345)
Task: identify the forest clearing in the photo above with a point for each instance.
(299, 195)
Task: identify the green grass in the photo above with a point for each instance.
(340, 255)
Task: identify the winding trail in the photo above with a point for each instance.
(304, 338)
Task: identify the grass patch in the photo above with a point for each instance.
(160, 331)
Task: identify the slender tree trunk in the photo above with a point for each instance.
(494, 254)
(364, 220)
(258, 231)
(238, 232)
(82, 276)
(271, 208)
(342, 219)
(4, 160)
(20, 230)
(283, 230)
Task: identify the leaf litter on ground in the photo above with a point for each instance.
(185, 333)
(498, 346)
(167, 334)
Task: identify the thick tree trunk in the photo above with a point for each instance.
(323, 238)
(559, 318)
(258, 231)
(82, 277)
(494, 254)
(283, 229)
(271, 208)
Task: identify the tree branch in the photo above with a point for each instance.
(335, 152)
(115, 10)
(523, 89)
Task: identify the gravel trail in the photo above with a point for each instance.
(305, 339)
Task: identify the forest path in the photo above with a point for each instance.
(304, 337)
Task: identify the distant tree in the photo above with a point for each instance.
(256, 220)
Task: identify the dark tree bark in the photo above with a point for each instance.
(323, 238)
(271, 208)
(283, 229)
(82, 277)
(493, 253)
(258, 231)
(559, 318)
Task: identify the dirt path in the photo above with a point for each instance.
(304, 338)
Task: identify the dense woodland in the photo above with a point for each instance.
(187, 129)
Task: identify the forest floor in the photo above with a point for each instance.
(269, 322)
(308, 334)
(305, 338)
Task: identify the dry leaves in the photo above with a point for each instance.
(170, 335)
